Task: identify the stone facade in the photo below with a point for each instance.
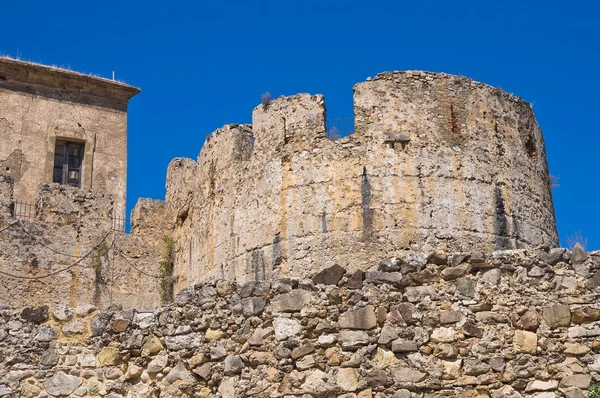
(435, 161)
(72, 253)
(40, 106)
(511, 323)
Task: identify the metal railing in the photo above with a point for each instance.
(23, 210)
(27, 211)
(339, 127)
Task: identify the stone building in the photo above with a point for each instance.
(435, 161)
(61, 126)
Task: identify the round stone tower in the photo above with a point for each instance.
(435, 161)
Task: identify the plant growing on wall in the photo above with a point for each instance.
(594, 390)
(165, 271)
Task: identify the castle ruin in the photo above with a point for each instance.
(414, 258)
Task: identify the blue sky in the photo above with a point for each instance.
(204, 64)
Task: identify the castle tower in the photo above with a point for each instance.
(61, 126)
(435, 161)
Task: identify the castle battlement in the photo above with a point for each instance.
(435, 160)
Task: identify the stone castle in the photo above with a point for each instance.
(415, 257)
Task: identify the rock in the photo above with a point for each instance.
(557, 316)
(452, 273)
(49, 358)
(353, 338)
(179, 372)
(119, 325)
(186, 341)
(438, 257)
(185, 296)
(293, 301)
(99, 324)
(580, 331)
(36, 315)
(347, 379)
(576, 349)
(143, 320)
(326, 340)
(109, 357)
(233, 365)
(134, 371)
(552, 257)
(525, 342)
(152, 346)
(424, 277)
(418, 293)
(317, 384)
(197, 360)
(46, 333)
(578, 255)
(252, 306)
(379, 278)
(403, 375)
(286, 327)
(214, 334)
(475, 367)
(582, 381)
(387, 335)
(305, 363)
(450, 317)
(497, 364)
(62, 384)
(83, 310)
(541, 385)
(389, 265)
(466, 287)
(451, 369)
(5, 390)
(204, 371)
(224, 288)
(227, 387)
(218, 352)
(29, 390)
(492, 277)
(362, 318)
(383, 359)
(73, 328)
(585, 315)
(259, 336)
(376, 378)
(401, 345)
(530, 320)
(329, 276)
(445, 351)
(158, 364)
(62, 313)
(407, 312)
(356, 280)
(443, 335)
(303, 350)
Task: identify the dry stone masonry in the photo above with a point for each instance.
(510, 323)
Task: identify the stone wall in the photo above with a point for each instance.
(40, 105)
(512, 323)
(435, 161)
(71, 252)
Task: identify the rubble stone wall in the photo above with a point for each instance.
(512, 323)
(435, 161)
(73, 252)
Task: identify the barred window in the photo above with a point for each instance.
(68, 158)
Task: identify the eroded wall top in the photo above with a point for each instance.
(435, 160)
